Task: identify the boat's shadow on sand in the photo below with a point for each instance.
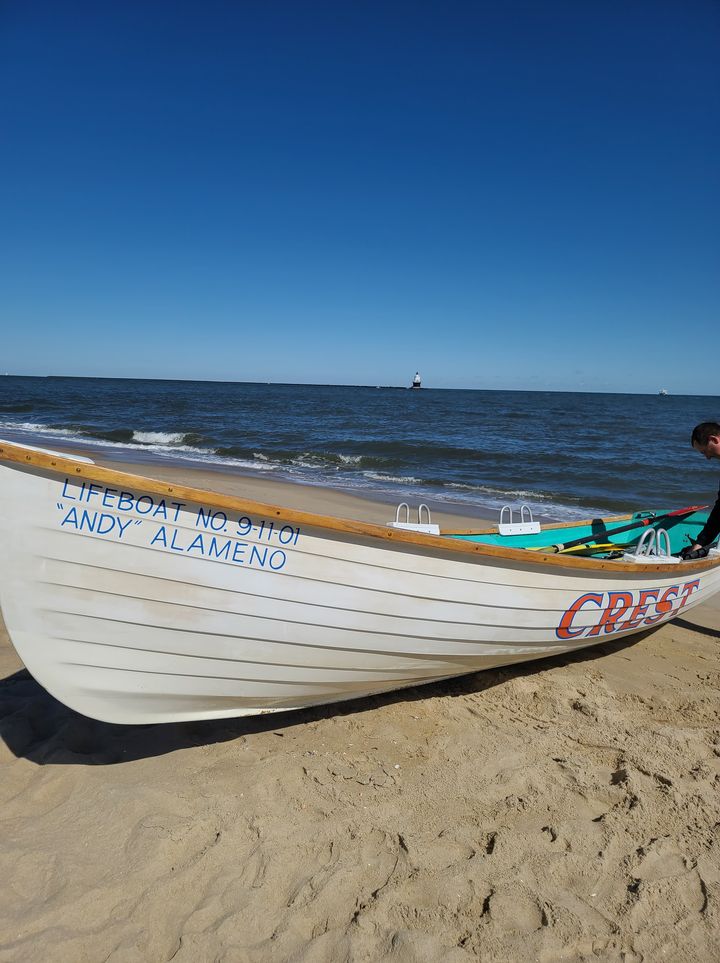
(35, 726)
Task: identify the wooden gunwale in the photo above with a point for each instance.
(66, 465)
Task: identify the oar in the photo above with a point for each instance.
(638, 523)
(592, 549)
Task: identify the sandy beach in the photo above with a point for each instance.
(562, 810)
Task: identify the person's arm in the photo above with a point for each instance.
(712, 527)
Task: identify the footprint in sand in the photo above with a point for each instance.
(516, 911)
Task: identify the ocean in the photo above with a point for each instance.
(567, 455)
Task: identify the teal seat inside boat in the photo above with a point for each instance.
(680, 531)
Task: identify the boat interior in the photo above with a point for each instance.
(681, 531)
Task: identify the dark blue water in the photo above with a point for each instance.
(566, 455)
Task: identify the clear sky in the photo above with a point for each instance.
(500, 194)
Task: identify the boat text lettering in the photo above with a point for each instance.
(121, 501)
(200, 531)
(100, 523)
(620, 611)
(228, 549)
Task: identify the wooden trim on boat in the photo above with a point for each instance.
(67, 465)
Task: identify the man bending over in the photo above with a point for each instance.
(706, 440)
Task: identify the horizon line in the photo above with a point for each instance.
(320, 384)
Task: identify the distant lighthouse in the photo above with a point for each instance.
(416, 381)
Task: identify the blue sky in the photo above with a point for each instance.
(501, 195)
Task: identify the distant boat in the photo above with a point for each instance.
(416, 383)
(663, 391)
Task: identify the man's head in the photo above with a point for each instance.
(706, 439)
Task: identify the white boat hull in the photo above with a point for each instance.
(132, 606)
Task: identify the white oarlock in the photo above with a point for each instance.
(526, 525)
(654, 546)
(426, 527)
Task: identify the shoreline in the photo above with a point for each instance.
(300, 496)
(154, 464)
(320, 499)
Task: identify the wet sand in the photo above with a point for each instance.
(562, 810)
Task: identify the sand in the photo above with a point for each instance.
(562, 810)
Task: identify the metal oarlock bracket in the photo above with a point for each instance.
(654, 547)
(526, 525)
(423, 512)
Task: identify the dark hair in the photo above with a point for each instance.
(703, 432)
